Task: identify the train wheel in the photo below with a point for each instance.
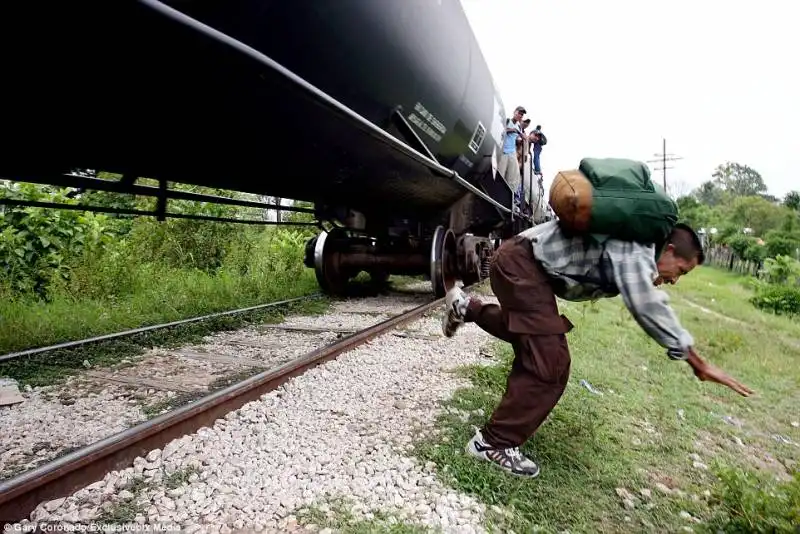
(330, 277)
(444, 266)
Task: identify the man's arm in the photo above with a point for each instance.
(634, 267)
(705, 371)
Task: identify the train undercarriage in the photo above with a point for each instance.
(340, 255)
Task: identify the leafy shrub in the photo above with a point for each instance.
(779, 299)
(782, 246)
(781, 270)
(750, 505)
(183, 242)
(37, 245)
(784, 242)
(78, 255)
(740, 243)
(755, 253)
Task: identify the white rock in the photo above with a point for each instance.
(662, 488)
(622, 493)
(52, 506)
(71, 517)
(700, 465)
(338, 430)
(87, 514)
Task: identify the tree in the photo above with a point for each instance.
(693, 213)
(792, 200)
(757, 213)
(739, 180)
(710, 194)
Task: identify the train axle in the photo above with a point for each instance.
(337, 257)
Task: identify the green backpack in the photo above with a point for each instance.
(620, 201)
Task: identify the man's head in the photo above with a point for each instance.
(519, 113)
(682, 252)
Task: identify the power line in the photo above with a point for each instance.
(664, 158)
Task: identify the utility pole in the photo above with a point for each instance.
(663, 159)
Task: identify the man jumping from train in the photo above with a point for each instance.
(527, 273)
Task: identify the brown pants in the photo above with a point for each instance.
(527, 318)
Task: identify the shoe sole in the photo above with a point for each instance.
(450, 324)
(449, 321)
(472, 451)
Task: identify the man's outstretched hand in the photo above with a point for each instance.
(705, 371)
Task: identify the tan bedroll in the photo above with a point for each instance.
(571, 197)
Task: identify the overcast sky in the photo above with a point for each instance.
(610, 79)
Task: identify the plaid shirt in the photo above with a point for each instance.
(585, 269)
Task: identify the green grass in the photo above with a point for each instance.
(337, 515)
(652, 416)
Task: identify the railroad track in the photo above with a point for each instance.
(258, 359)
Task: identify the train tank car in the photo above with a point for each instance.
(382, 114)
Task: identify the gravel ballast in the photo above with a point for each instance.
(342, 430)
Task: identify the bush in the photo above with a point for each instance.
(750, 505)
(38, 245)
(782, 243)
(69, 274)
(755, 253)
(184, 243)
(740, 244)
(779, 299)
(781, 270)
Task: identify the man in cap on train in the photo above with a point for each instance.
(527, 273)
(508, 165)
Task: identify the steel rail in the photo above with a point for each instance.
(100, 184)
(125, 333)
(143, 213)
(336, 106)
(19, 496)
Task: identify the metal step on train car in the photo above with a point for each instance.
(383, 114)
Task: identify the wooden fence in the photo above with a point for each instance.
(726, 258)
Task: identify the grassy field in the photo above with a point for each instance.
(658, 451)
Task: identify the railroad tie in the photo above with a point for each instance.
(163, 385)
(309, 329)
(219, 358)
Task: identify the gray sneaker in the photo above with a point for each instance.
(511, 460)
(455, 309)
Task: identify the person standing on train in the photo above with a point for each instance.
(538, 140)
(523, 158)
(508, 166)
